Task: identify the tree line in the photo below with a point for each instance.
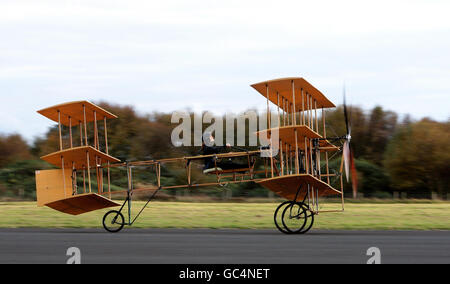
(393, 157)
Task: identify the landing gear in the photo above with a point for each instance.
(277, 220)
(113, 221)
(310, 220)
(296, 218)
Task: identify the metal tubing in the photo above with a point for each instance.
(278, 109)
(60, 131)
(307, 108)
(96, 143)
(89, 171)
(64, 176)
(107, 152)
(294, 118)
(70, 132)
(281, 158)
(81, 134)
(303, 109)
(85, 127)
(268, 107)
(297, 170)
(306, 156)
(315, 111)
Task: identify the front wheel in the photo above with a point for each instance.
(310, 220)
(113, 221)
(294, 217)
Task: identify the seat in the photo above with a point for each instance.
(226, 171)
(212, 171)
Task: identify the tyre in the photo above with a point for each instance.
(278, 222)
(113, 221)
(294, 217)
(310, 220)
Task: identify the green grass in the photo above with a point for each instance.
(357, 216)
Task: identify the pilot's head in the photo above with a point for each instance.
(208, 139)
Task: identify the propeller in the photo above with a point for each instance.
(349, 161)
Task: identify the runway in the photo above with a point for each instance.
(206, 246)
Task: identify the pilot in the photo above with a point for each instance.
(208, 148)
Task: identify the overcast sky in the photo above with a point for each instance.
(203, 55)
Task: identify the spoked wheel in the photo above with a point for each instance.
(277, 217)
(294, 217)
(113, 221)
(310, 220)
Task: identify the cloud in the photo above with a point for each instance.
(168, 55)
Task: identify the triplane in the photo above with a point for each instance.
(299, 172)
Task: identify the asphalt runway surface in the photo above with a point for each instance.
(206, 246)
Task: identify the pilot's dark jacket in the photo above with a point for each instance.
(211, 150)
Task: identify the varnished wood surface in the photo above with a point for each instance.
(283, 87)
(78, 156)
(82, 203)
(287, 135)
(287, 186)
(74, 110)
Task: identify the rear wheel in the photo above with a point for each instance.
(113, 221)
(277, 217)
(294, 217)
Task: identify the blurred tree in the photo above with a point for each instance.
(418, 157)
(381, 127)
(137, 137)
(370, 133)
(335, 126)
(12, 148)
(47, 144)
(372, 179)
(17, 180)
(335, 122)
